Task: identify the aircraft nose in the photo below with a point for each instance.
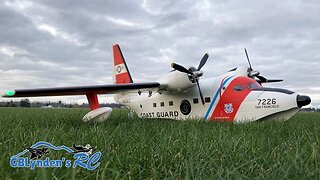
(303, 100)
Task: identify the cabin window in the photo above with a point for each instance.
(237, 88)
(195, 101)
(154, 104)
(170, 103)
(162, 104)
(207, 99)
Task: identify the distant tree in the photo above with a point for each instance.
(12, 104)
(25, 103)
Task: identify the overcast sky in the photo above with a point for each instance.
(48, 43)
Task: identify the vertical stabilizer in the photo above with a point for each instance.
(121, 74)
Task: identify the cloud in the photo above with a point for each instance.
(62, 43)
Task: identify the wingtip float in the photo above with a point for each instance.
(8, 93)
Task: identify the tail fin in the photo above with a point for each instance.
(121, 74)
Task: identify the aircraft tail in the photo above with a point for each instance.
(121, 74)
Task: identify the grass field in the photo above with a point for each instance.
(156, 149)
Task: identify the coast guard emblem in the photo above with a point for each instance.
(119, 69)
(228, 108)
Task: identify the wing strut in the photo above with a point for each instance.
(93, 100)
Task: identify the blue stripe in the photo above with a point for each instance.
(212, 102)
(216, 96)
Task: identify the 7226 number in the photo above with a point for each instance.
(267, 101)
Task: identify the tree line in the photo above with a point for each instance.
(59, 104)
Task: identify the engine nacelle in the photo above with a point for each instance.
(177, 81)
(98, 115)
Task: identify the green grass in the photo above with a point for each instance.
(156, 149)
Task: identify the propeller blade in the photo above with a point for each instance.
(271, 81)
(265, 80)
(203, 61)
(200, 93)
(245, 50)
(262, 79)
(180, 68)
(274, 80)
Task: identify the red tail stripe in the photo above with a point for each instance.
(118, 57)
(123, 78)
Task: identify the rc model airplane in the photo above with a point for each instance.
(37, 153)
(237, 95)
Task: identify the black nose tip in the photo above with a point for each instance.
(303, 100)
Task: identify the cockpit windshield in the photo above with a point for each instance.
(248, 86)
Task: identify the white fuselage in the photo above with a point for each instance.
(223, 101)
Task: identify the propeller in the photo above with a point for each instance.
(193, 73)
(252, 73)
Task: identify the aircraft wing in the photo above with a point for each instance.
(83, 90)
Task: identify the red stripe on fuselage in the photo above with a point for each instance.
(232, 99)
